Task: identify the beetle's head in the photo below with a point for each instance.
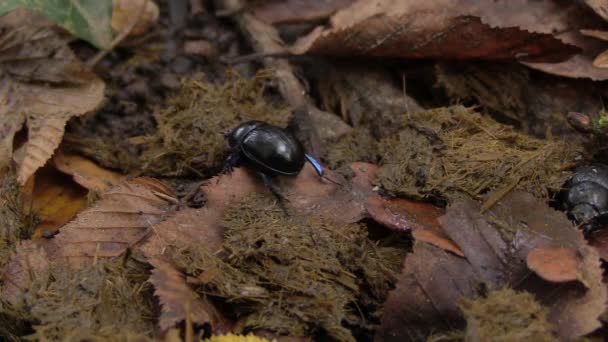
(236, 136)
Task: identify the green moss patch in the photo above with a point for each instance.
(294, 275)
(506, 315)
(452, 150)
(110, 301)
(189, 138)
(358, 145)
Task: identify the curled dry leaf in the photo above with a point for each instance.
(43, 85)
(296, 11)
(496, 246)
(555, 264)
(178, 300)
(419, 217)
(123, 217)
(444, 29)
(599, 6)
(85, 172)
(55, 199)
(468, 29)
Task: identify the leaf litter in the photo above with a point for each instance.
(238, 264)
(496, 246)
(43, 85)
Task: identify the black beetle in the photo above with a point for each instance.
(586, 197)
(271, 150)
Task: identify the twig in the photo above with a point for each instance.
(101, 54)
(265, 41)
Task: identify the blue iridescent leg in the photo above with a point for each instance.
(314, 164)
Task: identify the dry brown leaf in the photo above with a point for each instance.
(85, 172)
(124, 216)
(296, 11)
(444, 29)
(554, 264)
(599, 6)
(178, 300)
(496, 246)
(46, 85)
(546, 33)
(426, 296)
(55, 200)
(419, 217)
(125, 11)
(29, 259)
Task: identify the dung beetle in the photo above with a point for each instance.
(586, 197)
(270, 150)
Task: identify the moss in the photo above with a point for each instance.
(110, 301)
(294, 275)
(506, 315)
(358, 145)
(14, 225)
(189, 138)
(448, 151)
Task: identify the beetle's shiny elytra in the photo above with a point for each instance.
(586, 196)
(270, 149)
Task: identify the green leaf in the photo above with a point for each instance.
(87, 19)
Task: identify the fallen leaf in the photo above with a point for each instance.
(599, 6)
(425, 299)
(296, 11)
(496, 246)
(124, 216)
(179, 301)
(125, 11)
(42, 95)
(601, 60)
(402, 214)
(55, 200)
(445, 29)
(85, 172)
(29, 259)
(554, 264)
(419, 217)
(89, 20)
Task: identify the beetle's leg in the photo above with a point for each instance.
(314, 164)
(232, 161)
(274, 189)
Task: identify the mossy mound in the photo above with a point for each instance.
(189, 138)
(14, 226)
(110, 301)
(506, 315)
(293, 275)
(358, 145)
(447, 151)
